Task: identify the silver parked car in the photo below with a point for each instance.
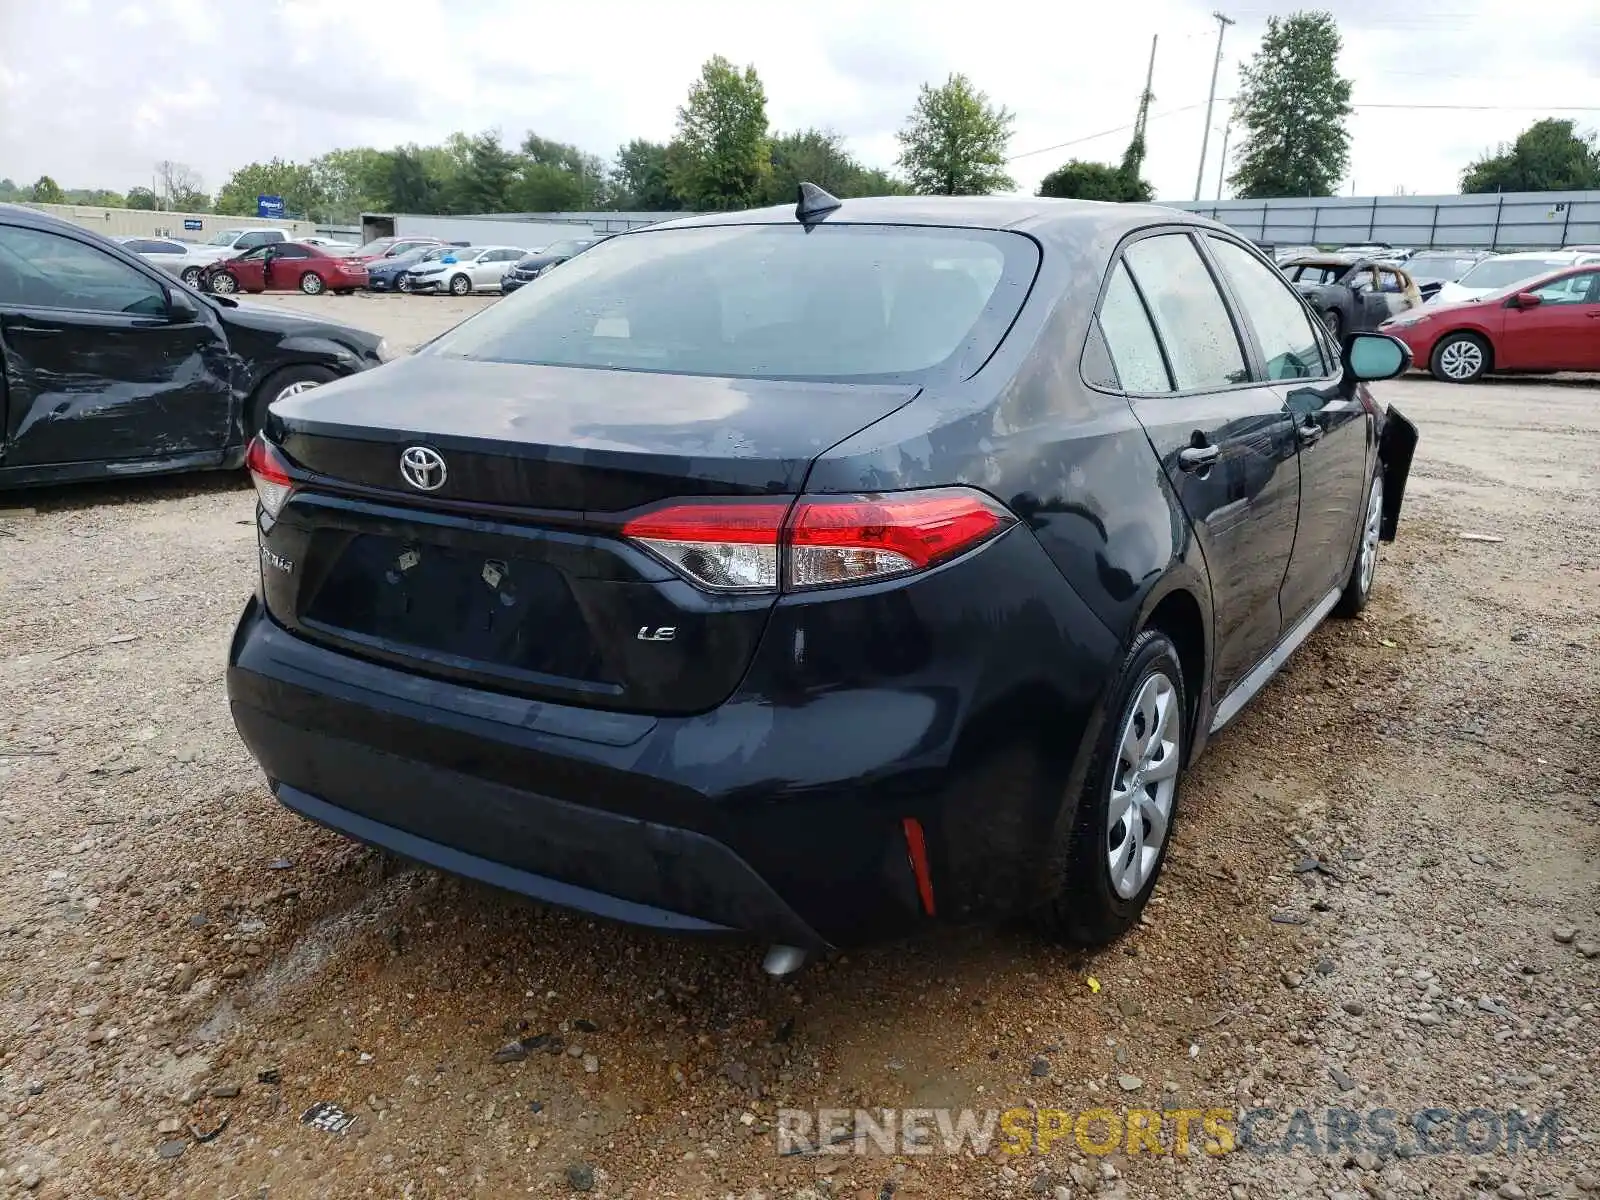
(172, 256)
(462, 270)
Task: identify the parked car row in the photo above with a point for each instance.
(261, 260)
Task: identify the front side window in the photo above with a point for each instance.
(1282, 326)
(1574, 289)
(1130, 337)
(1188, 311)
(862, 302)
(45, 270)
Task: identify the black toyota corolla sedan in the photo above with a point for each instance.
(819, 572)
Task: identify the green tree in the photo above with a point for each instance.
(1548, 156)
(1079, 180)
(47, 191)
(723, 158)
(351, 182)
(180, 188)
(954, 143)
(295, 182)
(640, 181)
(414, 183)
(9, 191)
(555, 177)
(144, 198)
(1292, 105)
(483, 175)
(819, 156)
(96, 197)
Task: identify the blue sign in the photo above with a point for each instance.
(269, 206)
(193, 223)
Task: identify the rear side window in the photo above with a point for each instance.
(1188, 311)
(863, 302)
(1130, 337)
(1282, 325)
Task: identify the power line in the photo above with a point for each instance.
(1089, 137)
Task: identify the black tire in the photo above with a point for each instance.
(460, 285)
(1334, 322)
(223, 283)
(191, 276)
(1460, 358)
(311, 284)
(402, 284)
(274, 386)
(1358, 587)
(1088, 910)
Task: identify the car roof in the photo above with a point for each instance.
(1326, 260)
(1049, 220)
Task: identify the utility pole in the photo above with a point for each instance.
(1222, 167)
(1133, 156)
(1205, 136)
(1147, 95)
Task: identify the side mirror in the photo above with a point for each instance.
(181, 306)
(1373, 356)
(1527, 300)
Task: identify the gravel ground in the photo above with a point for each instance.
(1385, 892)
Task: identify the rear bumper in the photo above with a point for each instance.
(781, 813)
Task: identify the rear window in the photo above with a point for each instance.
(865, 302)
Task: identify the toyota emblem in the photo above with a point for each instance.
(423, 468)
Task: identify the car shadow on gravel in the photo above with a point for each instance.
(148, 489)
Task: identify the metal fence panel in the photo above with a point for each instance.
(1506, 221)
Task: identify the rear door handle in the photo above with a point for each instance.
(1198, 458)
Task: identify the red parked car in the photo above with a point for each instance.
(285, 267)
(1547, 324)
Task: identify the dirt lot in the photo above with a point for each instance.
(1385, 893)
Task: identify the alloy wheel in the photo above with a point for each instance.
(295, 388)
(1143, 785)
(223, 284)
(1461, 359)
(1369, 535)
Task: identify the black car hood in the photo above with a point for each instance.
(534, 261)
(281, 322)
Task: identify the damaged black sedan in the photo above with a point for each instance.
(109, 367)
(820, 572)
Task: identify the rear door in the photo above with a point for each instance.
(96, 366)
(1334, 430)
(1223, 437)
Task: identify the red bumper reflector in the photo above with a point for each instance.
(917, 852)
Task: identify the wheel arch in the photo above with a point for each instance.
(1179, 606)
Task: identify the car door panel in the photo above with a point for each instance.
(1243, 509)
(90, 384)
(1335, 433)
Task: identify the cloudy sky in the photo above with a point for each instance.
(93, 92)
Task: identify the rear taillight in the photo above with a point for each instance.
(817, 541)
(270, 474)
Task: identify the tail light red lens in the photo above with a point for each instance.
(269, 473)
(817, 541)
(727, 546)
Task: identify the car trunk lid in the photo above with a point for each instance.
(511, 571)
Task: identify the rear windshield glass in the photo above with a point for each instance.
(1502, 272)
(768, 301)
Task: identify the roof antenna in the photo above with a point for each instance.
(814, 204)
